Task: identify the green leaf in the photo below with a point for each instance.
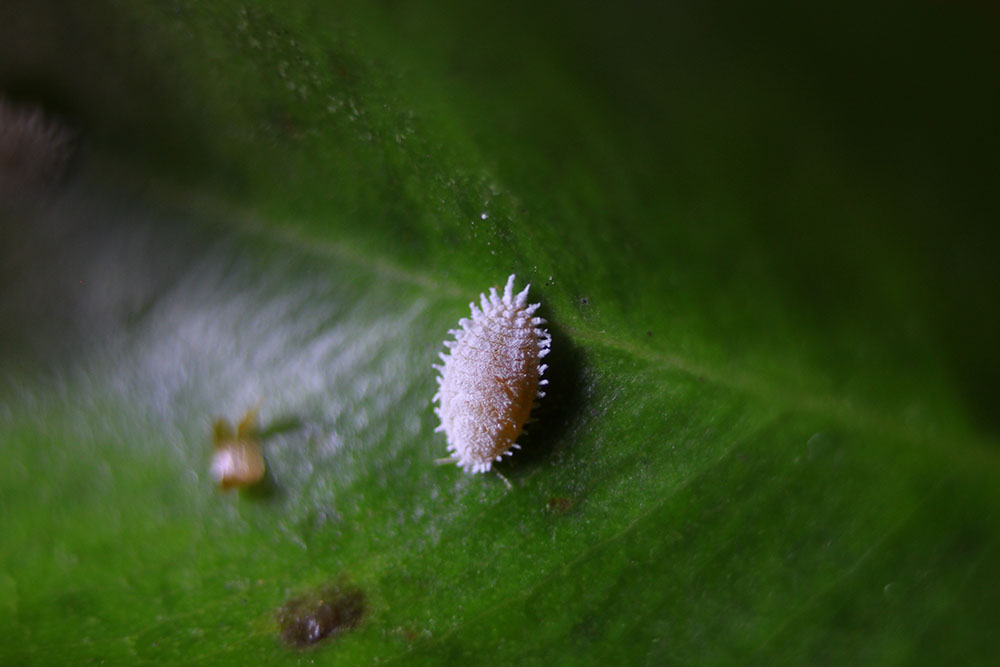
(764, 243)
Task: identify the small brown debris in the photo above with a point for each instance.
(559, 504)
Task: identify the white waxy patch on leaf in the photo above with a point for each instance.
(491, 377)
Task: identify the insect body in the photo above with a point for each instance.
(489, 382)
(237, 460)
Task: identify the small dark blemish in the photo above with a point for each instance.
(649, 333)
(329, 611)
(560, 505)
(584, 301)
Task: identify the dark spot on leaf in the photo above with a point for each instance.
(584, 301)
(560, 505)
(286, 125)
(325, 612)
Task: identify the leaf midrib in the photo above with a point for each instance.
(835, 408)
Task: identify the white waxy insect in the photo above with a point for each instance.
(237, 460)
(489, 382)
(35, 148)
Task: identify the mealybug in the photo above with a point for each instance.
(237, 460)
(35, 148)
(489, 381)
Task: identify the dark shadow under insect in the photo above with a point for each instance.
(267, 488)
(556, 412)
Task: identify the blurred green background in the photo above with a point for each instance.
(764, 238)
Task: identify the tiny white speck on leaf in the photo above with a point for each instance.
(490, 378)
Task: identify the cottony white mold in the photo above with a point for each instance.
(489, 382)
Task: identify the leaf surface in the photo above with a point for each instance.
(769, 436)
